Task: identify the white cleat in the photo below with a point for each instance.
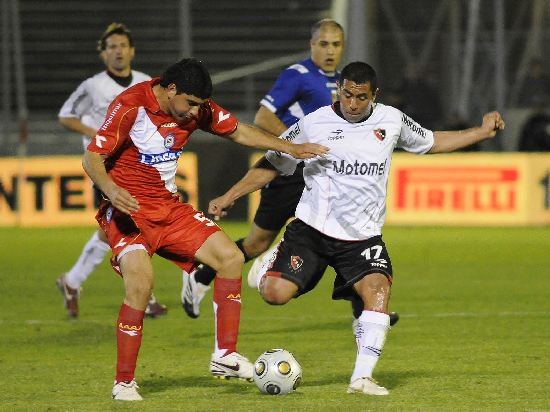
(192, 294)
(368, 386)
(232, 365)
(257, 267)
(126, 391)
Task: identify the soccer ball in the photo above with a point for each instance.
(277, 372)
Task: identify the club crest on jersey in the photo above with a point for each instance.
(296, 262)
(169, 141)
(380, 134)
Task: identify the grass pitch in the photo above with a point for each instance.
(474, 332)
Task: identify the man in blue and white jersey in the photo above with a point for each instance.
(341, 212)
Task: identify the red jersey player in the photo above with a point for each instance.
(133, 160)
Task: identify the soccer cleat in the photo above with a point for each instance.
(258, 263)
(126, 391)
(368, 386)
(394, 317)
(154, 308)
(70, 296)
(232, 365)
(192, 293)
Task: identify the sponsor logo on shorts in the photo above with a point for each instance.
(109, 214)
(169, 141)
(296, 262)
(153, 159)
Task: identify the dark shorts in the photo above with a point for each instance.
(278, 201)
(304, 254)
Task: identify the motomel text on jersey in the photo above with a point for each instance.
(151, 159)
(291, 135)
(413, 126)
(370, 169)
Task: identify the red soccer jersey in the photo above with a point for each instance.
(143, 143)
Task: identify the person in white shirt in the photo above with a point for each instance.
(341, 212)
(84, 112)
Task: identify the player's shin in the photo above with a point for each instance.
(370, 335)
(227, 314)
(129, 332)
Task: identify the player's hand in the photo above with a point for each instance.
(307, 150)
(218, 207)
(123, 200)
(492, 122)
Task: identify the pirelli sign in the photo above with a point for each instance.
(469, 189)
(55, 191)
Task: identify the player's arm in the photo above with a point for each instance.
(93, 164)
(78, 103)
(251, 136)
(448, 141)
(257, 177)
(267, 120)
(74, 124)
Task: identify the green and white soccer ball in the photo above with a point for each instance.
(277, 372)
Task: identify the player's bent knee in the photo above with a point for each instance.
(277, 291)
(230, 263)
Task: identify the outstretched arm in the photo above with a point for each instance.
(258, 176)
(448, 141)
(255, 137)
(120, 198)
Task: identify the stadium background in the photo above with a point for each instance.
(476, 52)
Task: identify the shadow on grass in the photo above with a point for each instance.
(268, 328)
(158, 384)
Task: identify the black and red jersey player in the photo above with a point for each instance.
(133, 160)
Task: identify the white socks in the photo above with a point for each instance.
(92, 255)
(370, 335)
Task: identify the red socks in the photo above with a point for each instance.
(128, 334)
(227, 311)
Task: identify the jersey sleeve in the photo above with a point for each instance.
(78, 103)
(115, 129)
(216, 120)
(413, 137)
(284, 92)
(286, 164)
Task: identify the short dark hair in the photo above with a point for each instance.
(190, 76)
(114, 28)
(360, 72)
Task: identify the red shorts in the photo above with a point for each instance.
(171, 229)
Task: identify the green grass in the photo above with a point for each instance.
(474, 332)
